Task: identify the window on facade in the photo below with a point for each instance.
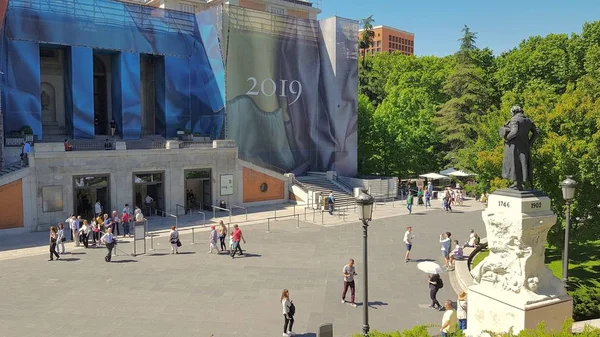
(379, 50)
(379, 43)
(391, 38)
(187, 8)
(277, 10)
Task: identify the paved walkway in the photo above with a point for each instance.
(198, 294)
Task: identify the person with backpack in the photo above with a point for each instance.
(330, 202)
(288, 313)
(435, 284)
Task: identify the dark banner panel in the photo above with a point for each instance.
(82, 84)
(291, 95)
(126, 97)
(177, 93)
(21, 104)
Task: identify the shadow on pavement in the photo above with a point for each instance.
(249, 255)
(76, 253)
(186, 253)
(123, 261)
(158, 254)
(69, 259)
(373, 305)
(423, 260)
(308, 334)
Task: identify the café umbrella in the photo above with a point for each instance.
(429, 267)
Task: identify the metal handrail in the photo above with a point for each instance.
(168, 214)
(215, 208)
(240, 207)
(297, 216)
(300, 184)
(178, 206)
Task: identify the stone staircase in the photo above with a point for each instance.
(11, 167)
(318, 182)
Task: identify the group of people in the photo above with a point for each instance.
(217, 240)
(101, 229)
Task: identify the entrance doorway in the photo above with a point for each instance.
(149, 185)
(198, 189)
(101, 121)
(87, 190)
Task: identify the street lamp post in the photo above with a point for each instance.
(365, 212)
(568, 189)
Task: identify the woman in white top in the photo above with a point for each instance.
(109, 240)
(85, 233)
(174, 240)
(288, 317)
(60, 240)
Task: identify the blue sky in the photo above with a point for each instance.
(500, 24)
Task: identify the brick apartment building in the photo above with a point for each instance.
(388, 39)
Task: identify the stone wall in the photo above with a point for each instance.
(52, 167)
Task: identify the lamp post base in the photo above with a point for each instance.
(365, 330)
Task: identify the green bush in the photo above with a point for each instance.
(421, 331)
(586, 302)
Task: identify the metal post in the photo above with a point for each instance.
(215, 212)
(246, 214)
(294, 209)
(193, 239)
(566, 249)
(298, 221)
(304, 213)
(275, 213)
(313, 215)
(321, 217)
(151, 242)
(229, 216)
(365, 281)
(268, 225)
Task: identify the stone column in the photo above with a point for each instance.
(514, 288)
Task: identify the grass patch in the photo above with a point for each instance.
(479, 257)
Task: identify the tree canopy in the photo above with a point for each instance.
(422, 114)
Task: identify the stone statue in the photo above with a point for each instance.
(516, 165)
(45, 100)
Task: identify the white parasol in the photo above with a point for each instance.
(429, 267)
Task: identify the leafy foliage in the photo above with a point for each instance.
(428, 112)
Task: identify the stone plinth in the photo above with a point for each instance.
(514, 288)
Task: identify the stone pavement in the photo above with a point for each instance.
(197, 294)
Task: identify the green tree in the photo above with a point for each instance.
(366, 36)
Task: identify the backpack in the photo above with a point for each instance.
(440, 283)
(477, 241)
(292, 309)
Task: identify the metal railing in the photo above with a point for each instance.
(300, 184)
(297, 216)
(215, 208)
(193, 144)
(245, 209)
(92, 145)
(185, 209)
(145, 144)
(165, 214)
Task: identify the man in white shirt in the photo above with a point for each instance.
(109, 240)
(148, 201)
(408, 242)
(349, 271)
(75, 229)
(448, 320)
(445, 241)
(98, 208)
(68, 222)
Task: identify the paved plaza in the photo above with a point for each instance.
(197, 294)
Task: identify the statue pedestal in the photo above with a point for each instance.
(514, 288)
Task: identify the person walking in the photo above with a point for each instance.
(435, 284)
(445, 241)
(53, 238)
(427, 199)
(84, 231)
(408, 242)
(60, 240)
(174, 240)
(288, 313)
(461, 311)
(213, 240)
(448, 320)
(330, 202)
(109, 240)
(349, 271)
(237, 237)
(222, 234)
(409, 202)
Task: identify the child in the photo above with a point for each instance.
(213, 240)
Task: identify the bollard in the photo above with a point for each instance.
(193, 239)
(304, 213)
(294, 209)
(298, 221)
(321, 217)
(313, 215)
(275, 213)
(151, 242)
(268, 225)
